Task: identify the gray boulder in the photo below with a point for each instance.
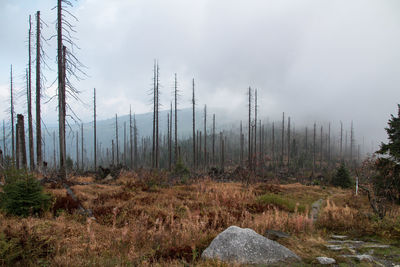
(245, 246)
(325, 260)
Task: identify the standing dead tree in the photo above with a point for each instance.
(249, 133)
(130, 137)
(283, 138)
(29, 99)
(21, 149)
(205, 136)
(38, 93)
(255, 129)
(288, 141)
(116, 138)
(12, 112)
(194, 125)
(213, 141)
(176, 118)
(94, 129)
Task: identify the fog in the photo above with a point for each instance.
(317, 60)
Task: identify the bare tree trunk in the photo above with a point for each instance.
(135, 147)
(351, 144)
(77, 150)
(321, 148)
(29, 93)
(54, 151)
(12, 118)
(329, 143)
(130, 137)
(4, 139)
(288, 159)
(116, 138)
(94, 129)
(194, 126)
(273, 144)
(176, 119)
(249, 138)
(341, 141)
(157, 120)
(255, 129)
(124, 155)
(153, 155)
(21, 149)
(205, 136)
(241, 145)
(314, 149)
(82, 147)
(213, 141)
(222, 151)
(283, 138)
(169, 143)
(112, 149)
(38, 94)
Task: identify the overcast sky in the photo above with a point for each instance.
(317, 60)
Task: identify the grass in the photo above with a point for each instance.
(141, 220)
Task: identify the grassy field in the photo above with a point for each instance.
(140, 220)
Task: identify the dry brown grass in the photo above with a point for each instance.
(142, 223)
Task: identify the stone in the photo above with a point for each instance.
(334, 247)
(275, 235)
(360, 257)
(376, 246)
(326, 260)
(245, 246)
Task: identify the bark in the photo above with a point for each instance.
(21, 148)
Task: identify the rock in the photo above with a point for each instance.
(360, 257)
(245, 246)
(275, 235)
(334, 247)
(376, 246)
(326, 260)
(339, 237)
(315, 207)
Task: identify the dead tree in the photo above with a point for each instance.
(135, 146)
(241, 145)
(82, 146)
(116, 138)
(249, 138)
(288, 159)
(77, 150)
(4, 139)
(351, 143)
(205, 136)
(54, 151)
(157, 116)
(21, 149)
(341, 141)
(194, 126)
(213, 140)
(255, 129)
(283, 138)
(124, 155)
(38, 93)
(273, 143)
(130, 137)
(12, 118)
(94, 129)
(176, 118)
(153, 158)
(329, 143)
(314, 148)
(321, 148)
(29, 100)
(222, 142)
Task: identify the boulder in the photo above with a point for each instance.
(245, 246)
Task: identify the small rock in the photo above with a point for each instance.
(275, 235)
(339, 237)
(326, 260)
(245, 246)
(360, 257)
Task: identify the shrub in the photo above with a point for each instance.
(23, 195)
(342, 177)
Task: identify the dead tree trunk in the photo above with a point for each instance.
(116, 139)
(341, 141)
(321, 148)
(351, 144)
(249, 138)
(29, 98)
(205, 136)
(4, 139)
(135, 147)
(77, 150)
(255, 130)
(213, 141)
(222, 151)
(54, 151)
(82, 147)
(38, 94)
(94, 129)
(169, 127)
(21, 149)
(194, 126)
(288, 159)
(130, 138)
(241, 145)
(157, 120)
(283, 138)
(124, 155)
(153, 157)
(12, 118)
(273, 144)
(314, 148)
(176, 119)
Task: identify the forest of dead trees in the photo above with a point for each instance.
(256, 144)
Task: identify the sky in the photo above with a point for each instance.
(315, 60)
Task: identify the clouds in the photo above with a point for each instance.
(313, 59)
